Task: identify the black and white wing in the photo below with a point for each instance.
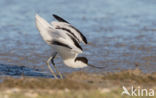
(66, 26)
(57, 37)
(60, 38)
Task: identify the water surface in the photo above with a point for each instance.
(121, 33)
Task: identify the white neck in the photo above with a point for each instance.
(74, 64)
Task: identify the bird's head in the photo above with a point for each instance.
(83, 60)
(80, 62)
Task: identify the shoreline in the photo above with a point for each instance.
(77, 84)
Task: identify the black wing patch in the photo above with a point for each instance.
(59, 44)
(68, 31)
(62, 20)
(82, 36)
(75, 42)
(59, 18)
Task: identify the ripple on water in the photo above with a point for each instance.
(120, 34)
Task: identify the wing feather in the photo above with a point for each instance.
(63, 24)
(59, 18)
(55, 36)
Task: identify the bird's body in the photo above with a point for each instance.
(64, 40)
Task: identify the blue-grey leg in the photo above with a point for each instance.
(51, 70)
(52, 61)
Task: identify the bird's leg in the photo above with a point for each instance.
(53, 57)
(51, 70)
(52, 61)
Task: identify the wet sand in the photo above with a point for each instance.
(82, 80)
(78, 83)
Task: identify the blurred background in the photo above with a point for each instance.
(121, 33)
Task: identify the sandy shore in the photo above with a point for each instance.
(77, 85)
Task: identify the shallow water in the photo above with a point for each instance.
(121, 34)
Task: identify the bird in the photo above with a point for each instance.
(65, 41)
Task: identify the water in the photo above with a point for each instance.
(121, 34)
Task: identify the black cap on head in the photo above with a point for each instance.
(82, 59)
